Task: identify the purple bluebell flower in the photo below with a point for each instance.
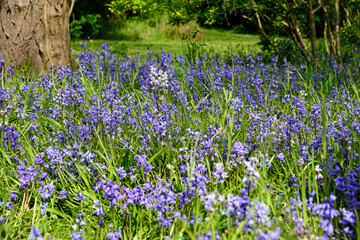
(35, 234)
(326, 209)
(114, 235)
(327, 226)
(46, 191)
(43, 208)
(219, 173)
(259, 215)
(11, 136)
(63, 194)
(240, 149)
(39, 159)
(270, 235)
(13, 195)
(212, 201)
(77, 235)
(348, 217)
(25, 175)
(280, 157)
(122, 174)
(299, 225)
(80, 197)
(208, 236)
(99, 212)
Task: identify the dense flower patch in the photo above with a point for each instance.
(165, 148)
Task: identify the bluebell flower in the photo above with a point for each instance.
(259, 215)
(99, 211)
(209, 236)
(299, 225)
(327, 226)
(270, 235)
(35, 234)
(114, 235)
(25, 175)
(46, 191)
(77, 235)
(80, 197)
(212, 201)
(122, 174)
(43, 208)
(348, 217)
(13, 195)
(63, 194)
(219, 173)
(280, 157)
(11, 136)
(326, 209)
(240, 149)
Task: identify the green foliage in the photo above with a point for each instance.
(207, 13)
(87, 26)
(194, 50)
(84, 8)
(350, 36)
(141, 9)
(285, 46)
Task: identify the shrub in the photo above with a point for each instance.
(87, 26)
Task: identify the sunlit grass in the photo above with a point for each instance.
(219, 41)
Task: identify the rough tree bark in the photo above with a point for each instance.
(35, 31)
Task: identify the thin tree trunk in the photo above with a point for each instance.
(337, 27)
(347, 15)
(325, 38)
(329, 30)
(71, 7)
(35, 31)
(297, 37)
(312, 29)
(262, 31)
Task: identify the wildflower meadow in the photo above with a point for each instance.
(167, 147)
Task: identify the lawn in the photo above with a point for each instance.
(219, 41)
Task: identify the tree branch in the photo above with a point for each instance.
(71, 7)
(262, 31)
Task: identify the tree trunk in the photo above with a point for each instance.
(337, 27)
(297, 36)
(329, 30)
(312, 29)
(347, 15)
(325, 38)
(35, 31)
(262, 32)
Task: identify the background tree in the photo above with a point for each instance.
(35, 31)
(302, 22)
(136, 8)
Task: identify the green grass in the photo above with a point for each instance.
(219, 41)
